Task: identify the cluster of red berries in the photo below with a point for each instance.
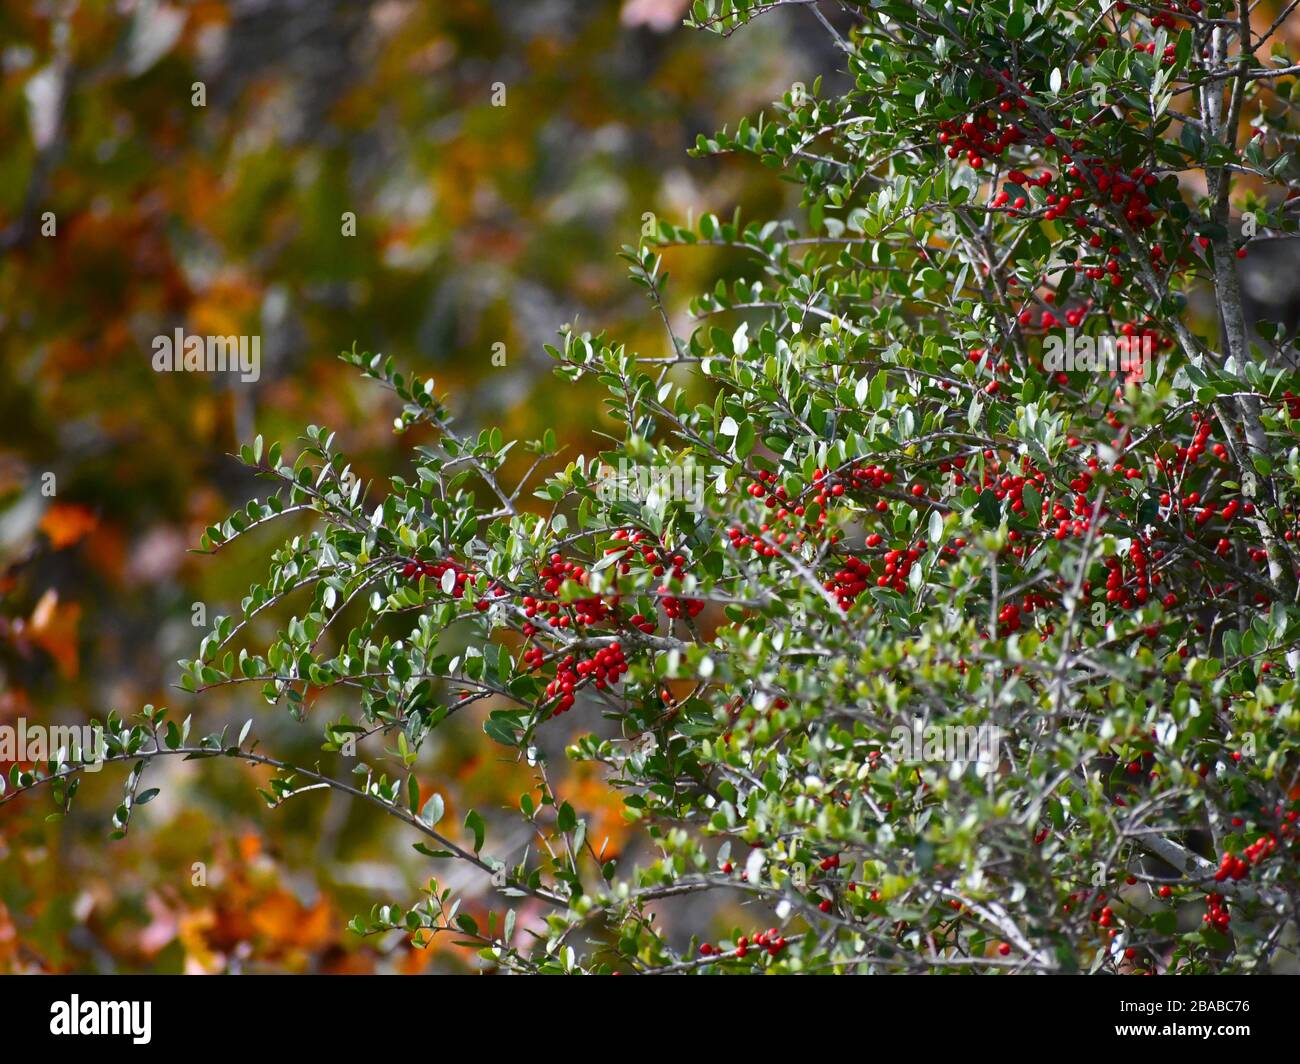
(676, 607)
(587, 611)
(1217, 912)
(981, 135)
(1101, 914)
(414, 570)
(1094, 182)
(642, 623)
(762, 486)
(1008, 619)
(1145, 333)
(954, 467)
(827, 487)
(644, 545)
(1074, 317)
(898, 563)
(673, 607)
(849, 582)
(658, 561)
(637, 542)
(776, 498)
(861, 478)
(739, 541)
(1010, 486)
(605, 667)
(1167, 57)
(1203, 516)
(1232, 867)
(562, 687)
(1123, 592)
(1205, 512)
(770, 940)
(1193, 451)
(1164, 19)
(757, 541)
(1126, 190)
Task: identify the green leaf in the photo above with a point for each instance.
(1033, 503)
(879, 385)
(475, 824)
(433, 810)
(988, 508)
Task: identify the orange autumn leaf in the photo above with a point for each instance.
(65, 523)
(250, 847)
(224, 306)
(416, 959)
(54, 629)
(281, 918)
(200, 958)
(602, 804)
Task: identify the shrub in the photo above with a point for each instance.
(953, 653)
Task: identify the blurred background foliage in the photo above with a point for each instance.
(476, 225)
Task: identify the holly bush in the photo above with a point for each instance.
(859, 510)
